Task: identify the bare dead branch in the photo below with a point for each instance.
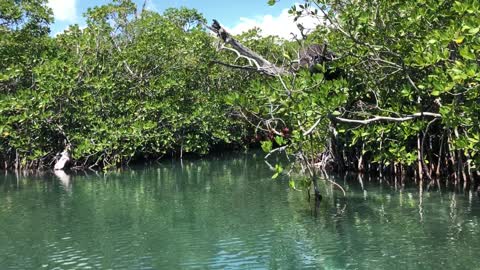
(262, 65)
(279, 149)
(386, 118)
(234, 66)
(144, 6)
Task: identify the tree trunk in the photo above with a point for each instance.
(257, 62)
(64, 160)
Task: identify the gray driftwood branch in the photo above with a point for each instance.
(257, 61)
(386, 118)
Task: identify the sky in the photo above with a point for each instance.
(235, 15)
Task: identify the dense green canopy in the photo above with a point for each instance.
(129, 85)
(136, 84)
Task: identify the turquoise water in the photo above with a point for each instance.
(226, 212)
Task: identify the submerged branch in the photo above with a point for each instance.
(338, 186)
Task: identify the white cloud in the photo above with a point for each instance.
(64, 10)
(281, 25)
(151, 6)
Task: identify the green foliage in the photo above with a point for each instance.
(132, 86)
(397, 58)
(22, 24)
(424, 57)
(125, 87)
(278, 171)
(267, 146)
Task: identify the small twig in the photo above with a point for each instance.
(310, 130)
(279, 149)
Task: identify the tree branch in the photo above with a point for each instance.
(262, 65)
(310, 130)
(234, 66)
(385, 118)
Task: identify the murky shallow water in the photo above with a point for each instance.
(227, 213)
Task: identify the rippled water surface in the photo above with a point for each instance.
(227, 213)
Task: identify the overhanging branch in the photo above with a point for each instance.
(234, 66)
(261, 64)
(385, 118)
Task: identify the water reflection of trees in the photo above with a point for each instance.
(226, 211)
(396, 226)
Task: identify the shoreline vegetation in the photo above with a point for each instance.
(393, 182)
(385, 88)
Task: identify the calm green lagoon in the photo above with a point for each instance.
(225, 212)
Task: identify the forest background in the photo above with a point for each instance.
(396, 92)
